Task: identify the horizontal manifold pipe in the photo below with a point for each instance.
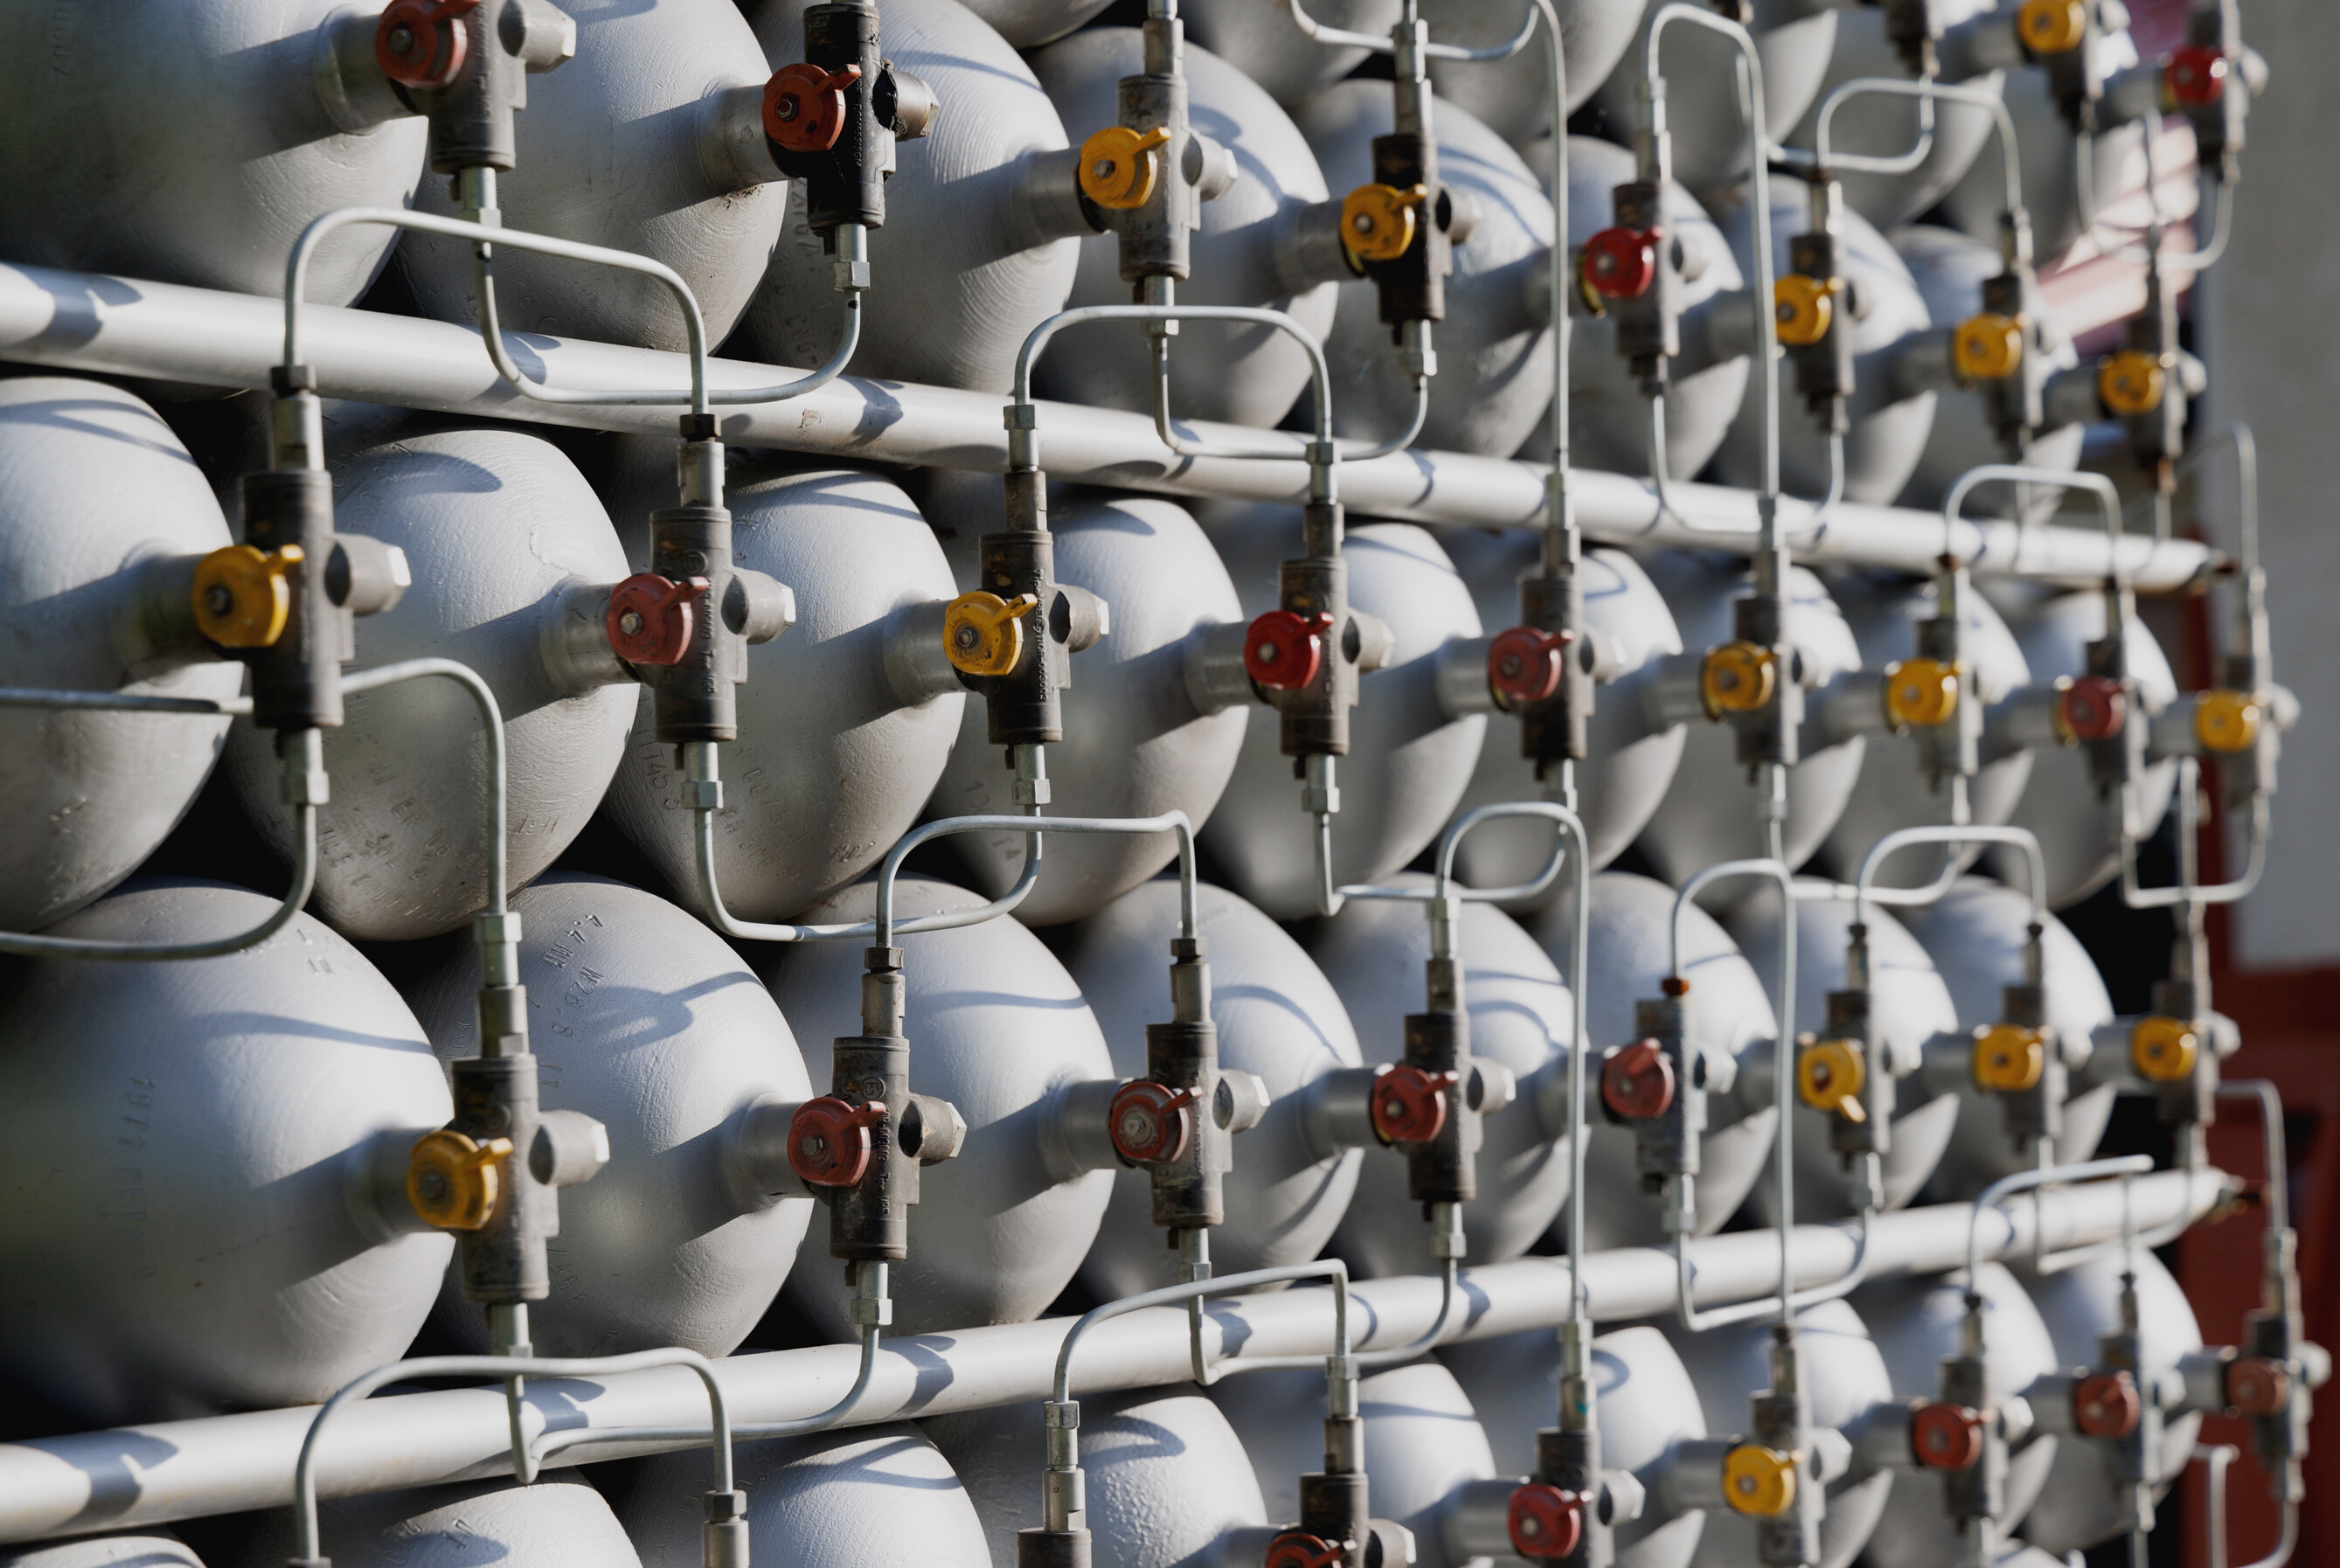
(143, 1476)
(117, 326)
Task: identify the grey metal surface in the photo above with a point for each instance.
(1513, 95)
(561, 1523)
(1702, 100)
(74, 320)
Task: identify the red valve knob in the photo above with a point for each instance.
(649, 617)
(1523, 664)
(1283, 651)
(1621, 264)
(804, 106)
(421, 43)
(1637, 1081)
(1298, 1549)
(2257, 1386)
(2196, 75)
(1409, 1105)
(829, 1143)
(2093, 708)
(1544, 1521)
(1151, 1123)
(2107, 1405)
(1947, 1436)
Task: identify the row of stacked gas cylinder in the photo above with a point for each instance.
(576, 1044)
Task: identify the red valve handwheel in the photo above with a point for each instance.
(829, 1143)
(1637, 1081)
(2107, 1405)
(421, 43)
(2257, 1386)
(1298, 1549)
(1284, 652)
(1523, 664)
(2196, 75)
(650, 619)
(1621, 264)
(1151, 1123)
(1947, 1436)
(1544, 1521)
(804, 106)
(1409, 1106)
(2093, 708)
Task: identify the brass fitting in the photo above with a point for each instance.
(2162, 1049)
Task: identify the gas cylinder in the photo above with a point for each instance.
(1275, 54)
(873, 1494)
(1894, 792)
(646, 1021)
(1794, 39)
(1948, 268)
(1408, 764)
(1374, 951)
(1167, 1479)
(1494, 348)
(1643, 1403)
(630, 145)
(963, 270)
(1247, 374)
(1729, 1023)
(997, 1028)
(1889, 426)
(1422, 1441)
(840, 738)
(1608, 417)
(1279, 1017)
(1711, 811)
(1134, 744)
(1514, 96)
(560, 1521)
(93, 483)
(1029, 23)
(205, 1234)
(1844, 1376)
(2077, 820)
(1916, 1322)
(2049, 155)
(192, 144)
(146, 1549)
(1909, 1007)
(1975, 935)
(1632, 758)
(1874, 125)
(502, 535)
(2085, 1501)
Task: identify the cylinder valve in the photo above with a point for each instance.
(1545, 1522)
(1636, 1082)
(1409, 1105)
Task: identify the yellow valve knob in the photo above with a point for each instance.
(1987, 347)
(1737, 678)
(1829, 1075)
(1758, 1480)
(1377, 221)
(2131, 383)
(1923, 692)
(1118, 166)
(2051, 26)
(2009, 1058)
(1804, 306)
(2226, 720)
(2163, 1049)
(452, 1182)
(242, 598)
(983, 634)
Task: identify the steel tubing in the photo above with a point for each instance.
(115, 326)
(145, 1475)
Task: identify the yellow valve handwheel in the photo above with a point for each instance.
(242, 598)
(1737, 678)
(1829, 1075)
(2009, 1058)
(454, 1182)
(983, 634)
(1377, 221)
(1923, 692)
(2051, 26)
(1987, 347)
(1803, 307)
(2131, 383)
(2163, 1049)
(2225, 720)
(1758, 1480)
(1119, 165)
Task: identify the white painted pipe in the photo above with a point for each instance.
(114, 326)
(133, 1477)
